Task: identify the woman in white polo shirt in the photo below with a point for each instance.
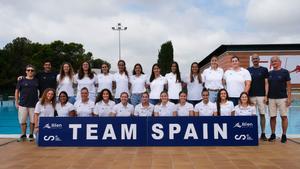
(212, 79)
(44, 108)
(65, 80)
(237, 80)
(63, 107)
(144, 108)
(137, 83)
(86, 79)
(224, 106)
(121, 80)
(157, 83)
(245, 107)
(194, 84)
(184, 108)
(84, 107)
(165, 107)
(205, 107)
(174, 84)
(123, 109)
(105, 79)
(104, 104)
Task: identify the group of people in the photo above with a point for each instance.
(235, 92)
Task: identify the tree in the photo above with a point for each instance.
(21, 51)
(14, 58)
(165, 57)
(96, 63)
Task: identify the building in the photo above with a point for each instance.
(289, 54)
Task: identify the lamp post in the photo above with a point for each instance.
(119, 28)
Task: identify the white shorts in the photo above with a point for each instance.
(276, 105)
(258, 101)
(23, 113)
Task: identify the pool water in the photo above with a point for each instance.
(9, 119)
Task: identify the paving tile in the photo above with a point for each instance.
(267, 155)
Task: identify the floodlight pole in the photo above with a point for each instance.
(119, 28)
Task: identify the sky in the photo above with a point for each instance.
(195, 27)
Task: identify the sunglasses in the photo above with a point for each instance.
(30, 70)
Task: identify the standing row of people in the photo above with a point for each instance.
(236, 81)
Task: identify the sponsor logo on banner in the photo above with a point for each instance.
(52, 138)
(53, 126)
(243, 137)
(243, 125)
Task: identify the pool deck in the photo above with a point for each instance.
(27, 155)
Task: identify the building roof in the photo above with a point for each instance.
(249, 47)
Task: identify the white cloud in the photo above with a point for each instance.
(194, 30)
(232, 3)
(280, 17)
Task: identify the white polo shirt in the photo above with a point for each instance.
(88, 83)
(63, 110)
(105, 81)
(213, 78)
(205, 109)
(46, 110)
(103, 109)
(194, 88)
(244, 111)
(235, 81)
(140, 110)
(84, 109)
(123, 111)
(173, 87)
(184, 110)
(165, 110)
(226, 108)
(157, 86)
(121, 84)
(66, 84)
(138, 83)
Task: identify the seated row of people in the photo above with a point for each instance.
(105, 106)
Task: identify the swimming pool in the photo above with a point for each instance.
(9, 119)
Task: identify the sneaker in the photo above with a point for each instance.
(22, 138)
(283, 138)
(31, 138)
(272, 138)
(263, 137)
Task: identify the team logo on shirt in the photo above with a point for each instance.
(53, 126)
(243, 125)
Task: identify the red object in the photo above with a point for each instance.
(297, 69)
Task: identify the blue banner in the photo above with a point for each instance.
(148, 131)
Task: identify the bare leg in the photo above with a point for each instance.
(31, 128)
(23, 128)
(262, 123)
(284, 124)
(273, 124)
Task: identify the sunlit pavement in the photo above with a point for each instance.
(27, 155)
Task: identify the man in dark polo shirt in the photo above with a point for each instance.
(46, 78)
(26, 97)
(259, 91)
(279, 96)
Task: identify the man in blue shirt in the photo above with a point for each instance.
(279, 96)
(46, 78)
(26, 97)
(259, 91)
